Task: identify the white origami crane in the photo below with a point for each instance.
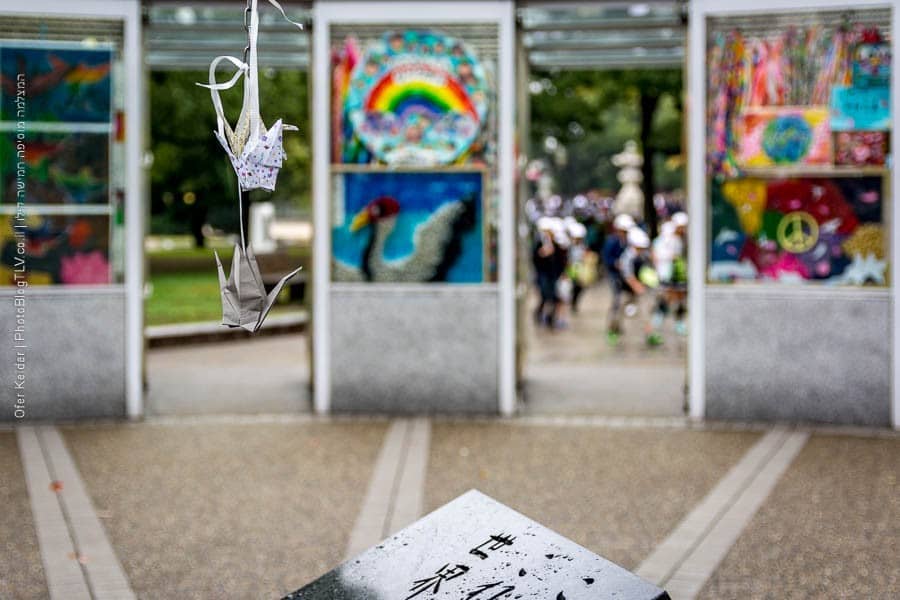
(256, 154)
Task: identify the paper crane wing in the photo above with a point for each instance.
(271, 147)
(244, 300)
(273, 295)
(230, 313)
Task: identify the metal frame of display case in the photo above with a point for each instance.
(328, 13)
(698, 190)
(129, 13)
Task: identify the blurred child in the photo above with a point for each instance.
(679, 274)
(631, 260)
(668, 258)
(613, 247)
(543, 257)
(582, 267)
(562, 242)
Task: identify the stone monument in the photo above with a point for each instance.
(475, 548)
(630, 199)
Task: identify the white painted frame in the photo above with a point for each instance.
(699, 234)
(129, 12)
(326, 13)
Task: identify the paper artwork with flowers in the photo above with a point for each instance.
(783, 136)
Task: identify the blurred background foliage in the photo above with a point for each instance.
(589, 115)
(593, 113)
(191, 179)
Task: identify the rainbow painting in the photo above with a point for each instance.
(417, 98)
(425, 88)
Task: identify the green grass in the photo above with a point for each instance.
(183, 297)
(187, 297)
(185, 286)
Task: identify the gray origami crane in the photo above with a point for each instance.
(244, 300)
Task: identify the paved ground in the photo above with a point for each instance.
(263, 375)
(21, 573)
(226, 511)
(831, 529)
(252, 507)
(569, 371)
(617, 493)
(575, 371)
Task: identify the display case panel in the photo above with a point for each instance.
(798, 147)
(61, 155)
(414, 125)
(408, 226)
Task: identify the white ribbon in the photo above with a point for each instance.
(278, 6)
(251, 90)
(250, 110)
(214, 87)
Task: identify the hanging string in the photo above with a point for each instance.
(247, 17)
(247, 12)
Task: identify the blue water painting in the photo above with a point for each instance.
(419, 195)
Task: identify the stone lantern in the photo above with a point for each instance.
(630, 199)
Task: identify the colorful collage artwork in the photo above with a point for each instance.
(64, 85)
(62, 168)
(69, 118)
(798, 141)
(794, 230)
(71, 250)
(783, 136)
(408, 227)
(414, 97)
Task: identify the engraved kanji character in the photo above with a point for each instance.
(496, 542)
(445, 573)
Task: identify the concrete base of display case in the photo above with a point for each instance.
(73, 362)
(414, 348)
(798, 354)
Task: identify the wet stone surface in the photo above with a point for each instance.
(475, 548)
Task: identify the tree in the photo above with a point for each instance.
(191, 181)
(593, 113)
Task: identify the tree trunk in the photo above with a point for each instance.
(197, 219)
(649, 103)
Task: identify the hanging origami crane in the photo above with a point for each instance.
(256, 154)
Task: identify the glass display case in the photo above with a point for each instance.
(62, 157)
(413, 153)
(798, 132)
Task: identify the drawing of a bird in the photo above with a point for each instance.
(437, 242)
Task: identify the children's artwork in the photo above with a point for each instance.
(408, 226)
(860, 148)
(754, 72)
(748, 197)
(771, 136)
(871, 58)
(857, 108)
(61, 168)
(71, 250)
(63, 84)
(797, 230)
(344, 60)
(415, 98)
